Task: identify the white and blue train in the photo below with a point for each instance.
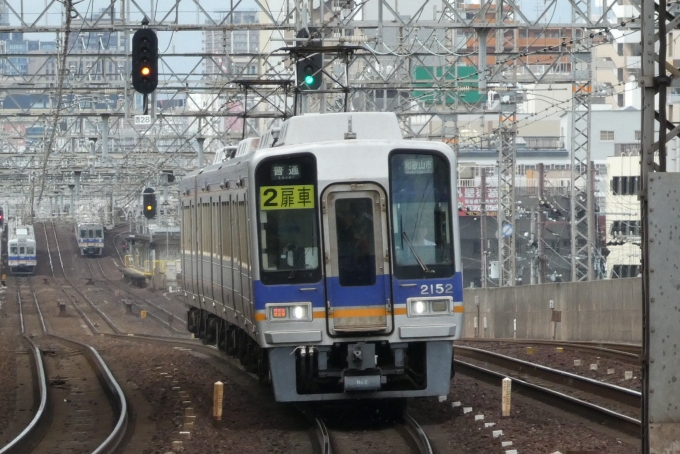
(21, 250)
(325, 256)
(90, 238)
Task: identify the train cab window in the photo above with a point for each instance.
(29, 250)
(22, 250)
(13, 250)
(83, 233)
(98, 234)
(288, 220)
(91, 232)
(422, 235)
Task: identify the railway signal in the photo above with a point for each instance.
(145, 61)
(149, 199)
(309, 67)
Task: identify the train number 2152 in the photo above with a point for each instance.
(436, 289)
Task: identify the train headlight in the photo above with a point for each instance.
(418, 307)
(299, 312)
(287, 312)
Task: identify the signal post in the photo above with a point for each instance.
(145, 62)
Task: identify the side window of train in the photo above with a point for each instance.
(226, 231)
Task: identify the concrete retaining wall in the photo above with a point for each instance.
(606, 310)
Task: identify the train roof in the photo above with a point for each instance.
(21, 232)
(332, 127)
(90, 224)
(318, 128)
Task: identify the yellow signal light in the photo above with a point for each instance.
(146, 71)
(149, 208)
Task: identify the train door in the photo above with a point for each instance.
(357, 259)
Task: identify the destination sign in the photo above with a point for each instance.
(420, 165)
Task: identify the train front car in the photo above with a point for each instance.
(21, 251)
(358, 292)
(325, 255)
(90, 238)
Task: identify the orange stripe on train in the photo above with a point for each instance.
(372, 312)
(344, 313)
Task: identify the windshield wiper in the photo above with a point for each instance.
(415, 254)
(297, 264)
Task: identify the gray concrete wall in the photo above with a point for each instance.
(606, 310)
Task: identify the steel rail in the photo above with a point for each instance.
(323, 436)
(110, 444)
(89, 322)
(146, 301)
(623, 352)
(571, 404)
(619, 394)
(41, 374)
(418, 434)
(15, 445)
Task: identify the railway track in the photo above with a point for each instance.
(163, 316)
(623, 352)
(529, 371)
(81, 408)
(350, 428)
(170, 320)
(96, 320)
(399, 437)
(580, 395)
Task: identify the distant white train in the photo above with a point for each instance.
(90, 238)
(21, 257)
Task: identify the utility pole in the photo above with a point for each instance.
(540, 226)
(482, 223)
(507, 153)
(660, 358)
(581, 187)
(532, 238)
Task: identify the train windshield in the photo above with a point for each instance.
(420, 191)
(13, 250)
(288, 220)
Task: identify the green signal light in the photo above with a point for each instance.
(309, 80)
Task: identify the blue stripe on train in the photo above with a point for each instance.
(288, 294)
(22, 257)
(452, 286)
(357, 296)
(365, 295)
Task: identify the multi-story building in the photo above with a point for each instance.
(94, 57)
(234, 51)
(623, 213)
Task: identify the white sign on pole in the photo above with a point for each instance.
(142, 120)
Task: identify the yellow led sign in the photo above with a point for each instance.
(293, 197)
